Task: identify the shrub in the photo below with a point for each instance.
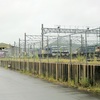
(84, 82)
(71, 82)
(81, 58)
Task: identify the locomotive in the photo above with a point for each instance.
(53, 51)
(63, 52)
(91, 51)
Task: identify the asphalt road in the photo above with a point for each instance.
(17, 86)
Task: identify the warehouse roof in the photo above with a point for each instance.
(4, 45)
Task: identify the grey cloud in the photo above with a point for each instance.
(19, 16)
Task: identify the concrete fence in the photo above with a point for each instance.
(58, 71)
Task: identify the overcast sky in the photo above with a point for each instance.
(20, 16)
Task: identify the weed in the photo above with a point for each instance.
(84, 82)
(81, 58)
(71, 82)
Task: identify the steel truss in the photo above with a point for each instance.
(66, 30)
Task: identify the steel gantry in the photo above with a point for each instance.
(59, 30)
(31, 39)
(44, 30)
(21, 46)
(70, 33)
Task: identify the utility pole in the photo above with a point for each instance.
(86, 43)
(14, 48)
(19, 48)
(82, 44)
(40, 52)
(25, 43)
(99, 36)
(42, 37)
(28, 50)
(70, 45)
(48, 48)
(34, 51)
